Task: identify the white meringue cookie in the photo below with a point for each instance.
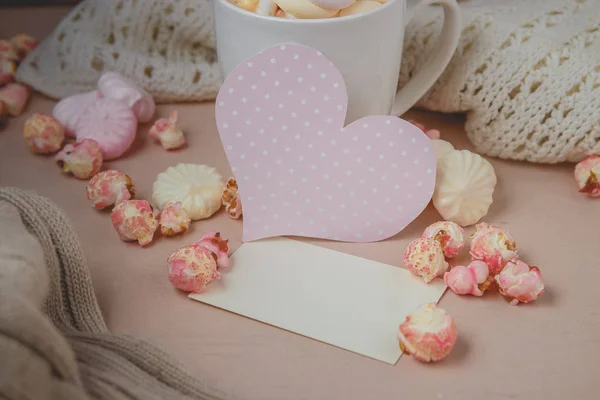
(441, 148)
(333, 4)
(359, 7)
(304, 9)
(464, 187)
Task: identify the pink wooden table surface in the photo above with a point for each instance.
(546, 350)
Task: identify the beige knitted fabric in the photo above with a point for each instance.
(166, 46)
(527, 73)
(53, 341)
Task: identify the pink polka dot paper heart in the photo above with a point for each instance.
(280, 115)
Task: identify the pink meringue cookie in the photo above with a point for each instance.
(518, 282)
(134, 220)
(473, 279)
(110, 123)
(428, 334)
(83, 159)
(494, 246)
(108, 188)
(115, 86)
(192, 268)
(587, 175)
(449, 234)
(424, 257)
(69, 110)
(214, 242)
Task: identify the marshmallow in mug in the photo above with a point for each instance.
(307, 9)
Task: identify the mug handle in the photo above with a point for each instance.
(419, 84)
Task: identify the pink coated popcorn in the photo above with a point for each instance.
(428, 334)
(473, 279)
(231, 199)
(14, 96)
(110, 123)
(450, 235)
(167, 133)
(134, 220)
(174, 219)
(8, 69)
(24, 44)
(494, 246)
(518, 282)
(83, 159)
(109, 187)
(432, 134)
(219, 247)
(424, 257)
(8, 51)
(587, 174)
(43, 133)
(192, 268)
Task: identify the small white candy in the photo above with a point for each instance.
(441, 148)
(333, 4)
(359, 7)
(305, 9)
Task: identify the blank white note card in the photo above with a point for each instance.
(340, 299)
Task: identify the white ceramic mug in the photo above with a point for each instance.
(366, 48)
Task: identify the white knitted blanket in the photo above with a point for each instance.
(527, 72)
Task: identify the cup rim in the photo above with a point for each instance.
(335, 20)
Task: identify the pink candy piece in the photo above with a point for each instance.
(587, 175)
(8, 69)
(174, 219)
(8, 51)
(134, 220)
(24, 44)
(167, 133)
(433, 134)
(68, 111)
(14, 96)
(83, 159)
(428, 334)
(450, 236)
(110, 123)
(115, 86)
(473, 279)
(424, 257)
(494, 246)
(192, 268)
(214, 242)
(518, 282)
(43, 133)
(109, 187)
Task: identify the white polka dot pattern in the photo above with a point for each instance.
(298, 172)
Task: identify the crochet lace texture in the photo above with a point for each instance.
(527, 73)
(167, 47)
